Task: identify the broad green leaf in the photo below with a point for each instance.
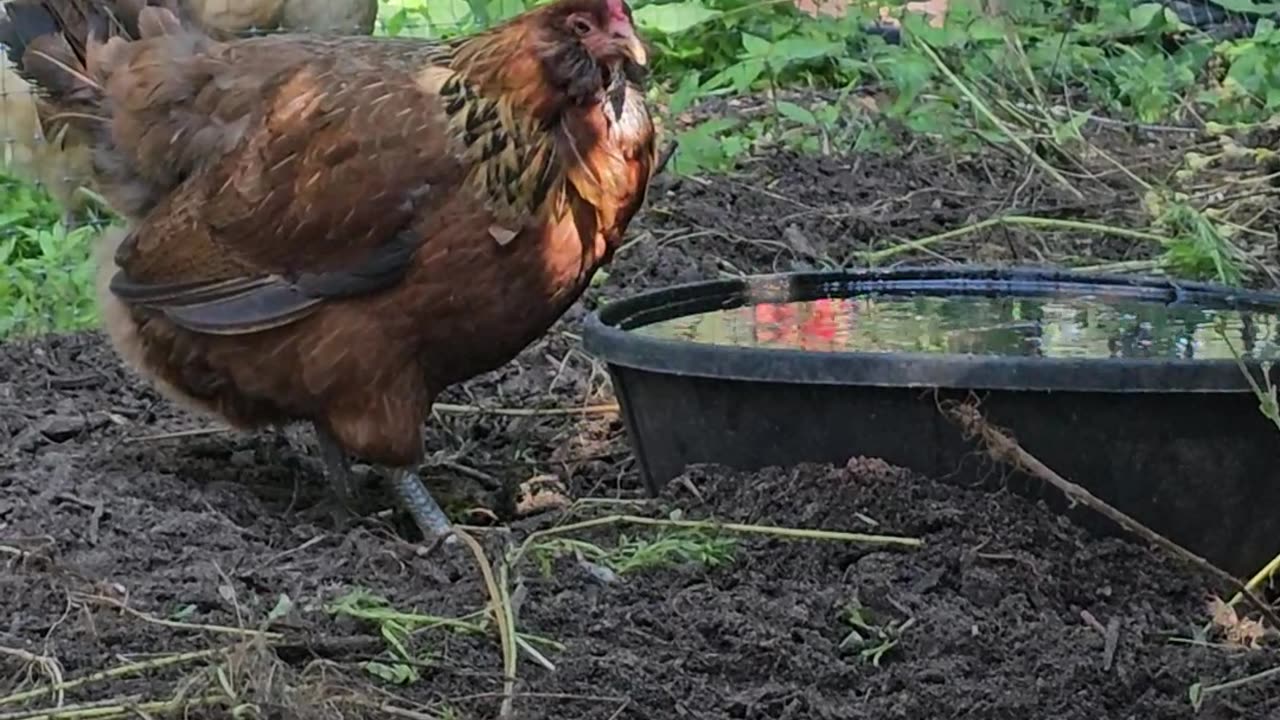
(985, 29)
(701, 147)
(1143, 16)
(794, 48)
(674, 18)
(796, 113)
(395, 24)
(1248, 6)
(740, 76)
(449, 14)
(499, 10)
(685, 94)
(756, 46)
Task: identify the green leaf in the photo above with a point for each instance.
(499, 10)
(796, 113)
(398, 673)
(395, 24)
(685, 94)
(395, 635)
(674, 18)
(1143, 16)
(740, 76)
(1195, 694)
(283, 605)
(183, 613)
(756, 46)
(984, 29)
(701, 147)
(1248, 6)
(796, 48)
(48, 244)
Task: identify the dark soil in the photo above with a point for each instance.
(1009, 611)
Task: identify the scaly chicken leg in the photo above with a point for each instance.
(407, 486)
(422, 507)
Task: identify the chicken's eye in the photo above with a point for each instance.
(580, 25)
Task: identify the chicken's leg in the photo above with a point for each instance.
(407, 486)
(337, 467)
(423, 508)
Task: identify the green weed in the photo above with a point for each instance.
(399, 628)
(46, 280)
(870, 640)
(396, 627)
(632, 554)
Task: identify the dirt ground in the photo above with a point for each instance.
(131, 533)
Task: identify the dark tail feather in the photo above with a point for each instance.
(74, 20)
(22, 24)
(47, 41)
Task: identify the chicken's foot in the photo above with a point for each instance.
(422, 507)
(407, 486)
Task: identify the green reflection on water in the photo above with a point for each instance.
(1059, 327)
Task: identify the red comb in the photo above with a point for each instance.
(617, 10)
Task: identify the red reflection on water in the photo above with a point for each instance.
(810, 326)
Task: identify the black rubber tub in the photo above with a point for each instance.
(1175, 440)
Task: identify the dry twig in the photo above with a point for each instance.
(1004, 449)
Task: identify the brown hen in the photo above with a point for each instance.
(334, 229)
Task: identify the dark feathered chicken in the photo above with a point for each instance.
(335, 229)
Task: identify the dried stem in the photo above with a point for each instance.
(127, 670)
(500, 606)
(1004, 449)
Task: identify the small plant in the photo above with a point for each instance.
(1197, 247)
(633, 554)
(872, 642)
(399, 627)
(396, 628)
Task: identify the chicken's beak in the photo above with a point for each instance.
(630, 45)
